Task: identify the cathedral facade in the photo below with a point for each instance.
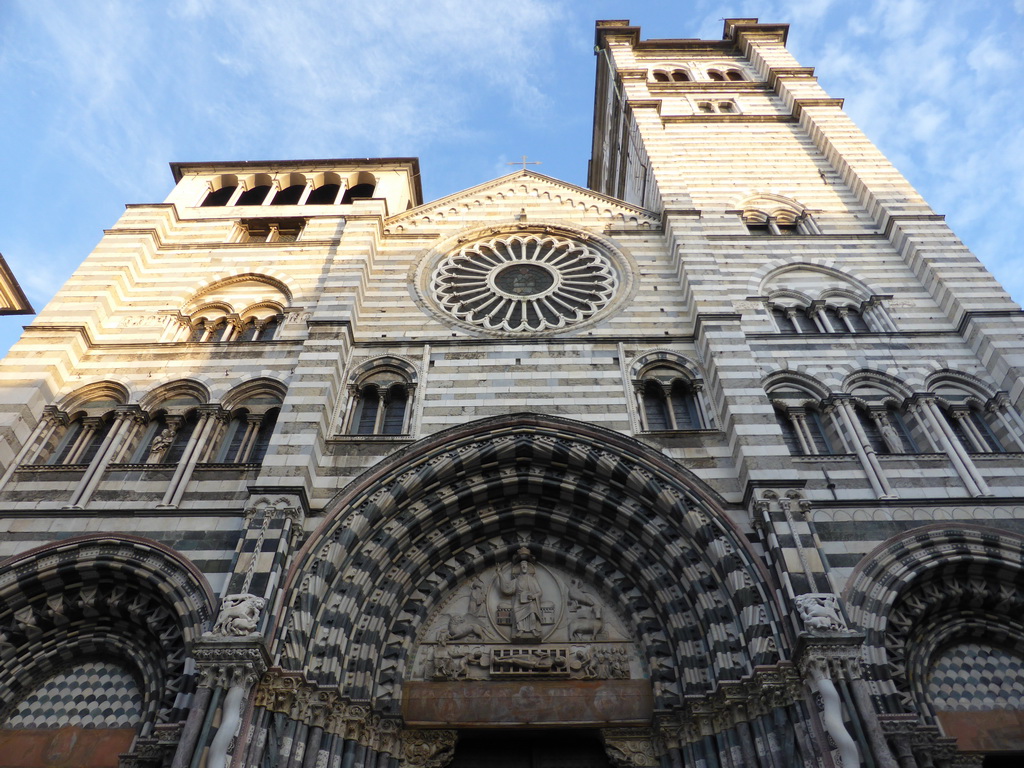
(716, 463)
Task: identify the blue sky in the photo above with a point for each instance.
(100, 95)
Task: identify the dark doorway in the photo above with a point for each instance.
(578, 748)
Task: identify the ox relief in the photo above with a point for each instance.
(525, 620)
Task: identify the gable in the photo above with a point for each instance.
(523, 195)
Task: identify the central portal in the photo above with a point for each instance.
(562, 748)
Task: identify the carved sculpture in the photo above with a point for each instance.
(239, 615)
(521, 583)
(526, 620)
(162, 441)
(820, 612)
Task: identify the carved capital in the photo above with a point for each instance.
(836, 656)
(224, 663)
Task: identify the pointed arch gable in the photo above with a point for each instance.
(592, 501)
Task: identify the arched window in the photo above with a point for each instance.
(257, 193)
(167, 435)
(854, 320)
(662, 77)
(257, 329)
(219, 196)
(268, 329)
(735, 74)
(783, 321)
(972, 428)
(380, 400)
(247, 436)
(325, 194)
(209, 329)
(669, 400)
(381, 410)
(714, 74)
(293, 185)
(776, 215)
(221, 191)
(656, 410)
(80, 441)
(807, 429)
(362, 191)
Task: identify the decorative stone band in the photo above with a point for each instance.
(291, 694)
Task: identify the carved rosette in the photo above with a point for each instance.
(428, 749)
(630, 747)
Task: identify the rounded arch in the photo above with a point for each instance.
(263, 387)
(912, 594)
(127, 597)
(972, 387)
(587, 499)
(849, 285)
(879, 380)
(109, 391)
(261, 309)
(276, 282)
(181, 389)
(781, 379)
(790, 297)
(763, 275)
(399, 366)
(662, 357)
(762, 205)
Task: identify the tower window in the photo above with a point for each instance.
(219, 196)
(325, 194)
(289, 195)
(254, 196)
(271, 230)
(358, 192)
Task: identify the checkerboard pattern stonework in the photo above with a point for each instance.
(96, 694)
(715, 462)
(977, 677)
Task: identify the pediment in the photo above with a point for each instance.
(519, 193)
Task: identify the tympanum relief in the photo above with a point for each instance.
(523, 619)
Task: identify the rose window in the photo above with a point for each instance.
(528, 282)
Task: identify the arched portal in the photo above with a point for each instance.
(589, 520)
(96, 636)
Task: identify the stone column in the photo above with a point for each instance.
(229, 667)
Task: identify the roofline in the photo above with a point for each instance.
(734, 30)
(178, 169)
(22, 306)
